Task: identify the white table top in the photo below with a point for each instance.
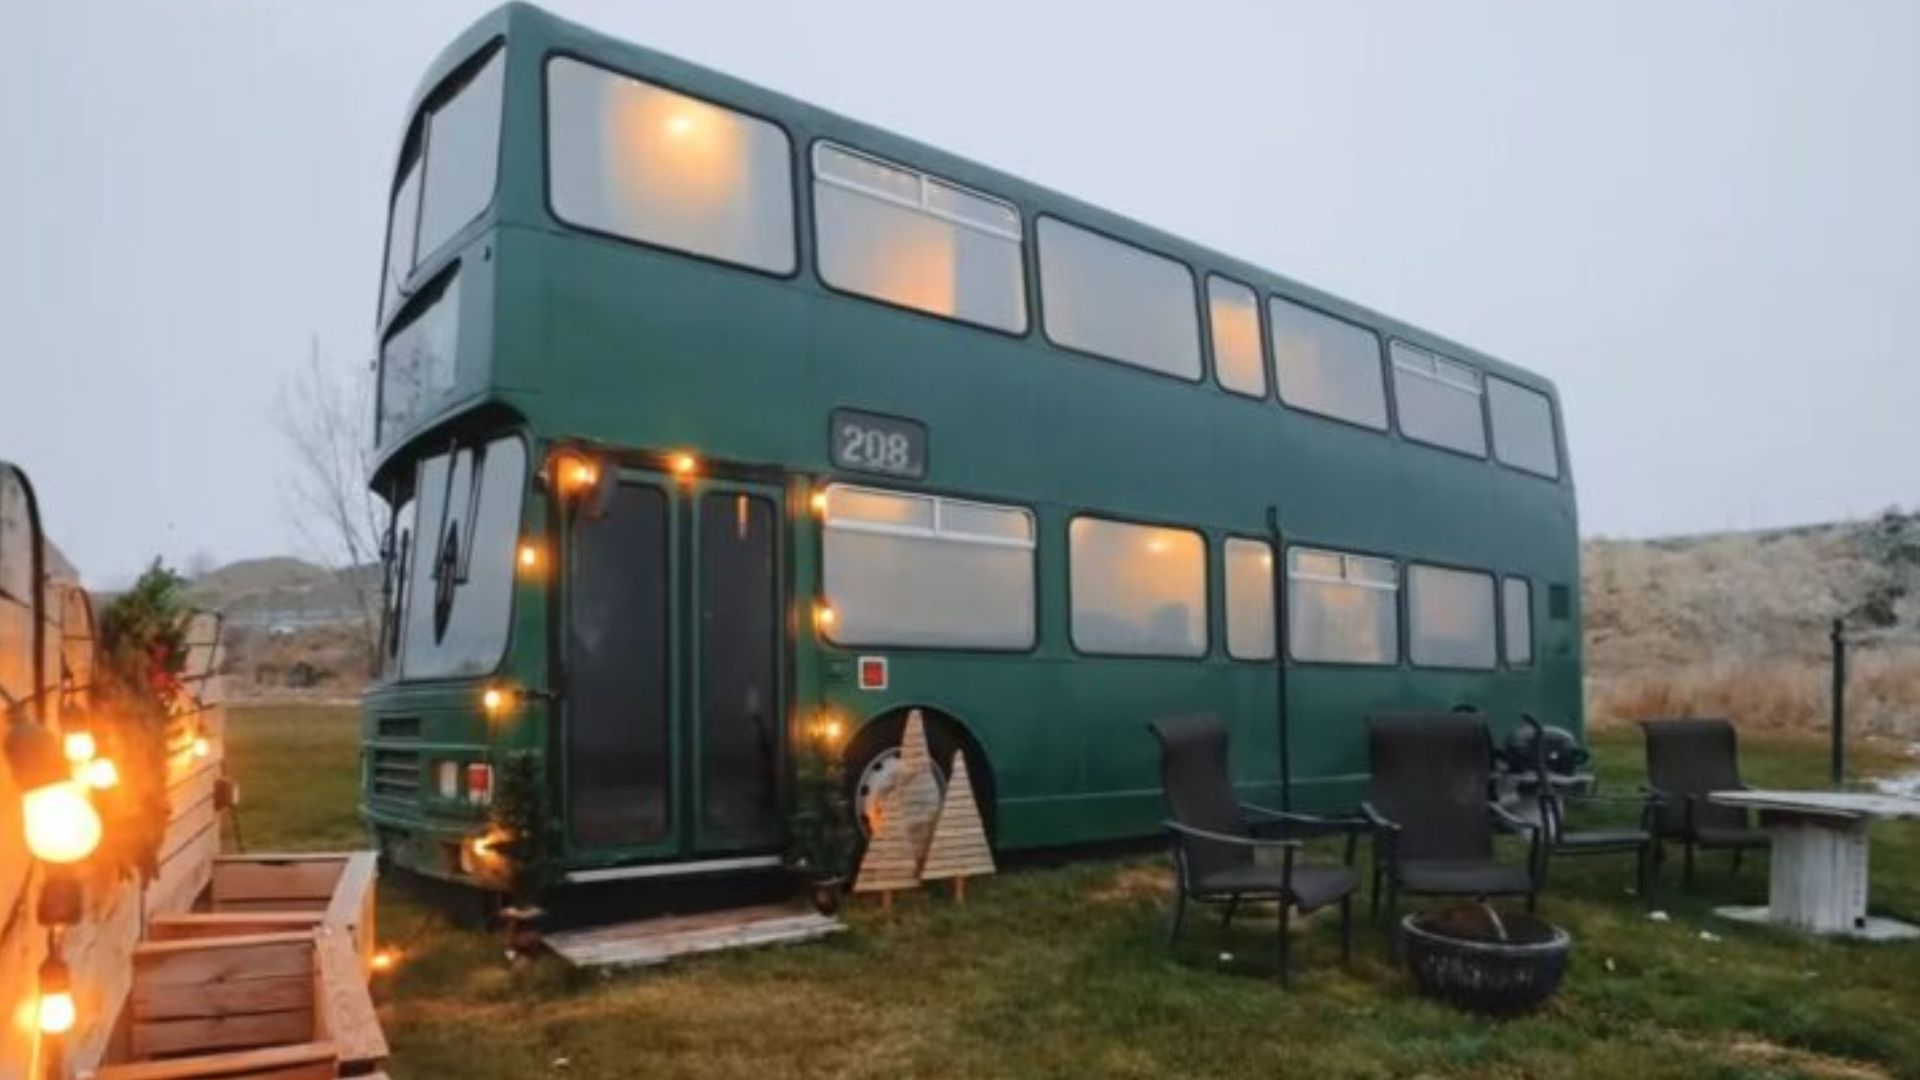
(1852, 804)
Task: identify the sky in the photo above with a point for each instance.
(1699, 219)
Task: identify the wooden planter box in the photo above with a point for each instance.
(266, 894)
(285, 1006)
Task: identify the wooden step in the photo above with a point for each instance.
(648, 942)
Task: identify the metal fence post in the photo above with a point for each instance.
(1839, 639)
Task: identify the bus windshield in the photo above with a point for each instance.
(449, 562)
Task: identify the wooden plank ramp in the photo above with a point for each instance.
(650, 942)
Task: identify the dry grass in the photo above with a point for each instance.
(1883, 694)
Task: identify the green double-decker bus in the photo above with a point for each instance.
(708, 418)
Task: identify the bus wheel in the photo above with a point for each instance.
(873, 765)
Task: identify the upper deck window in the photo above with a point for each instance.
(1118, 301)
(1327, 365)
(1439, 400)
(1523, 428)
(908, 238)
(642, 162)
(448, 169)
(1233, 312)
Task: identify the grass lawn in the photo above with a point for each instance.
(1064, 972)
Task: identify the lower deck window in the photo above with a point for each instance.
(1249, 567)
(1516, 598)
(918, 570)
(1450, 617)
(1342, 609)
(1138, 590)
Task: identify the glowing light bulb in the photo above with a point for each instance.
(824, 616)
(573, 474)
(101, 774)
(201, 747)
(684, 465)
(79, 747)
(529, 557)
(57, 1011)
(385, 960)
(819, 502)
(495, 700)
(61, 825)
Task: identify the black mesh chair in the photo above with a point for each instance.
(1215, 839)
(1564, 838)
(1687, 760)
(1433, 820)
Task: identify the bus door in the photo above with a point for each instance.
(674, 706)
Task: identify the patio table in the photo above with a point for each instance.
(1818, 870)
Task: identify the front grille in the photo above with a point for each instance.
(396, 773)
(399, 727)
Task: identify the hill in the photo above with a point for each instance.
(1739, 624)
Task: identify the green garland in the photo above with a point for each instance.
(135, 694)
(820, 836)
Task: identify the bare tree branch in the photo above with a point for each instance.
(325, 415)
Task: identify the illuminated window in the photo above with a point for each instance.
(1327, 365)
(911, 239)
(1118, 301)
(917, 570)
(1138, 590)
(1249, 565)
(1342, 609)
(1449, 617)
(1438, 400)
(646, 163)
(1233, 313)
(1523, 428)
(1516, 600)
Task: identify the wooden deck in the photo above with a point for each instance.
(649, 942)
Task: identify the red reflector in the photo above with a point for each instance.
(873, 673)
(480, 783)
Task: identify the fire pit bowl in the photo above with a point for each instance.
(1496, 963)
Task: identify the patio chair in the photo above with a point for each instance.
(1216, 839)
(1433, 820)
(1687, 760)
(1563, 839)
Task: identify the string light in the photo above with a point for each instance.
(684, 466)
(57, 1012)
(385, 960)
(79, 747)
(572, 473)
(529, 557)
(201, 747)
(824, 616)
(819, 503)
(102, 774)
(496, 701)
